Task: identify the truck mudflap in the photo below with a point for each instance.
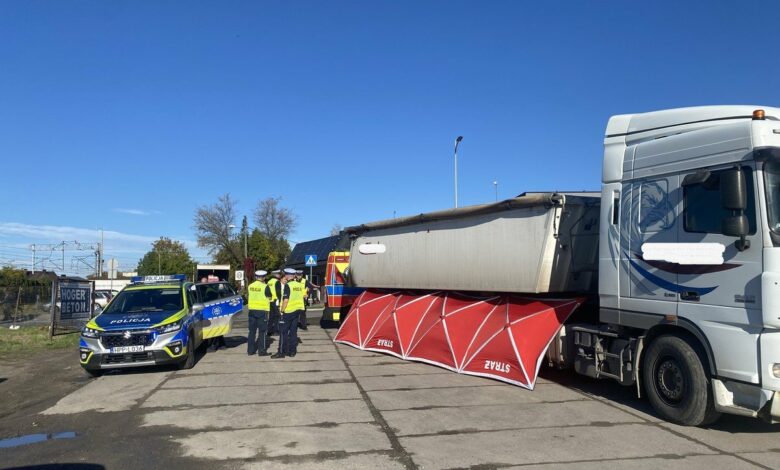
(503, 337)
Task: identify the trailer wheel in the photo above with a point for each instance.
(677, 384)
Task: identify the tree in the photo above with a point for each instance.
(212, 227)
(274, 221)
(336, 229)
(12, 277)
(166, 257)
(266, 253)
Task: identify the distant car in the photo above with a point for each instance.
(102, 298)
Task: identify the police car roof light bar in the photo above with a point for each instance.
(158, 279)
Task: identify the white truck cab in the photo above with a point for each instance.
(689, 260)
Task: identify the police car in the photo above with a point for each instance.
(157, 320)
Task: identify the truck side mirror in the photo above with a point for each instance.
(733, 190)
(733, 197)
(735, 226)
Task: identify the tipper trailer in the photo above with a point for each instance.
(677, 260)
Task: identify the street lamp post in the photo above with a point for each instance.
(457, 142)
(495, 187)
(246, 255)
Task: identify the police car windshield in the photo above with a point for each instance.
(146, 300)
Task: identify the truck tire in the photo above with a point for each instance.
(325, 318)
(677, 384)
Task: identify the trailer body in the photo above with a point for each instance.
(535, 243)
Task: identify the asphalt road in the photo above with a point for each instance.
(333, 406)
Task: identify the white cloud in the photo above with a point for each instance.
(136, 211)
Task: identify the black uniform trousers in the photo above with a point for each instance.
(288, 333)
(258, 327)
(273, 321)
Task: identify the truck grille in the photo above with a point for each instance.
(135, 339)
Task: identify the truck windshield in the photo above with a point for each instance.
(146, 300)
(772, 189)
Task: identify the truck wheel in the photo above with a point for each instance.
(677, 384)
(325, 315)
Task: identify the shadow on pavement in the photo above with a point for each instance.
(626, 396)
(61, 466)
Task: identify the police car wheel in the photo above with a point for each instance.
(189, 359)
(94, 372)
(188, 362)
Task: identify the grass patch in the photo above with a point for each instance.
(32, 339)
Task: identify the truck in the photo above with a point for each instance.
(212, 272)
(338, 296)
(677, 258)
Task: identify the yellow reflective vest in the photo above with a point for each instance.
(295, 301)
(257, 297)
(272, 284)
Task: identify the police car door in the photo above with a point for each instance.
(221, 303)
(197, 316)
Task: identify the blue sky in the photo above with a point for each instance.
(129, 115)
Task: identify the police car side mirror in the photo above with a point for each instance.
(197, 308)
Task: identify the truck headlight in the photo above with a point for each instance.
(89, 332)
(776, 370)
(176, 326)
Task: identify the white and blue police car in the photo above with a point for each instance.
(157, 320)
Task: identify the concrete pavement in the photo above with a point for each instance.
(333, 406)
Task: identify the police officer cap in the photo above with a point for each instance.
(260, 273)
(289, 271)
(275, 271)
(299, 272)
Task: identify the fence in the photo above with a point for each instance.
(25, 305)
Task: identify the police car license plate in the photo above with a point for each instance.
(127, 349)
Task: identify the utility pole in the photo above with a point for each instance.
(100, 255)
(32, 268)
(63, 258)
(245, 229)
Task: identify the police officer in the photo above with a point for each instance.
(292, 305)
(259, 308)
(302, 317)
(275, 286)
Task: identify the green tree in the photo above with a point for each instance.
(166, 257)
(266, 253)
(12, 277)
